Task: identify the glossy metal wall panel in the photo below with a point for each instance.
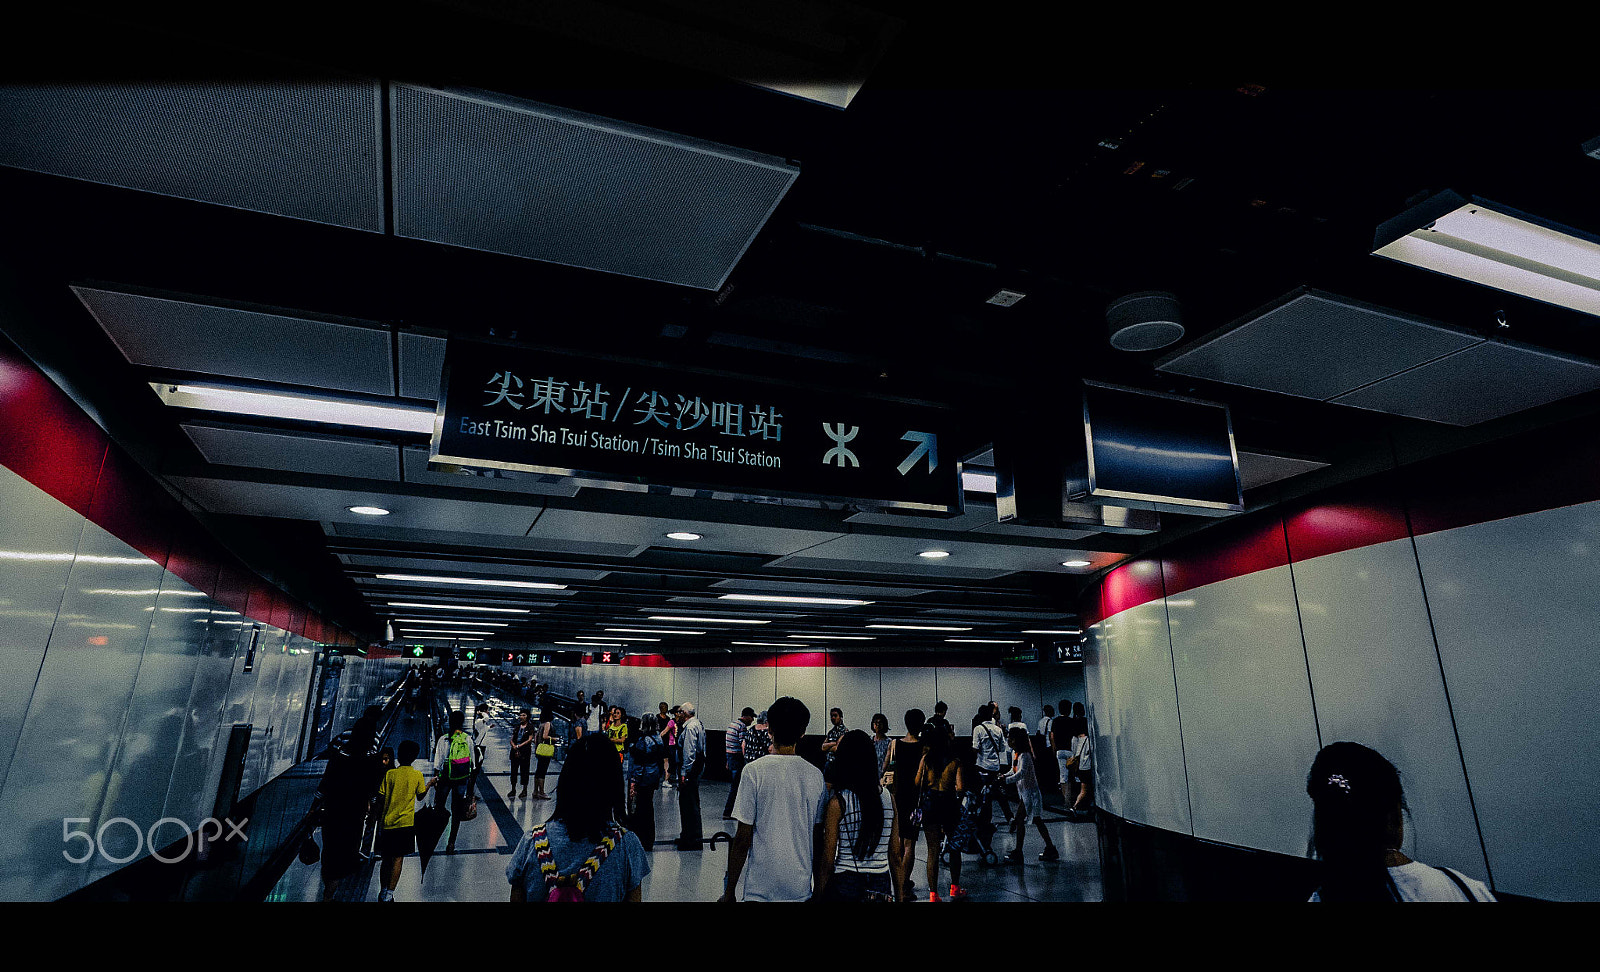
(716, 697)
(755, 687)
(809, 686)
(1377, 682)
(1247, 720)
(1099, 639)
(962, 689)
(1147, 747)
(685, 686)
(1514, 605)
(143, 766)
(63, 756)
(197, 770)
(906, 688)
(855, 690)
(37, 539)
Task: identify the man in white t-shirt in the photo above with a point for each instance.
(598, 711)
(780, 802)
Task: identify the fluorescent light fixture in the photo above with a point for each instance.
(665, 617)
(769, 644)
(1066, 631)
(779, 599)
(835, 637)
(685, 536)
(653, 631)
(1493, 245)
(434, 637)
(980, 641)
(234, 613)
(187, 610)
(147, 593)
(472, 624)
(916, 627)
(604, 638)
(979, 482)
(304, 408)
(66, 557)
(368, 510)
(445, 634)
(458, 607)
(934, 554)
(593, 644)
(473, 580)
(1075, 563)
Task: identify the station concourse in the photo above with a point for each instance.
(1222, 440)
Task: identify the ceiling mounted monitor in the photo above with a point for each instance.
(1146, 450)
(1497, 246)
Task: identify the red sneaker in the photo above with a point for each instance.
(933, 897)
(957, 893)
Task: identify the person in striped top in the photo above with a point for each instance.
(858, 825)
(733, 750)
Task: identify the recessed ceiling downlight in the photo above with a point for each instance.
(684, 536)
(368, 510)
(934, 554)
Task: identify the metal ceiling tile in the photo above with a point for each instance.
(421, 365)
(1022, 530)
(900, 555)
(847, 566)
(972, 519)
(181, 335)
(467, 477)
(530, 180)
(318, 505)
(1315, 345)
(320, 455)
(435, 592)
(308, 149)
(479, 541)
(467, 568)
(817, 589)
(645, 530)
(1481, 383)
(1259, 468)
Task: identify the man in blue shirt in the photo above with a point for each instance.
(733, 750)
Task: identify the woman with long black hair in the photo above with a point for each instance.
(592, 855)
(900, 776)
(858, 826)
(942, 779)
(1357, 826)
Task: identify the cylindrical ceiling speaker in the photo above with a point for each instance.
(1144, 321)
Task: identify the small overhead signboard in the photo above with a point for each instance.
(518, 409)
(547, 659)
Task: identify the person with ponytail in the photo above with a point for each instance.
(858, 825)
(1357, 826)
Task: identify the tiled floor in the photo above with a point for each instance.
(476, 872)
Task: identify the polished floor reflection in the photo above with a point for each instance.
(476, 871)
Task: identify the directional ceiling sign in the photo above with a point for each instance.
(512, 408)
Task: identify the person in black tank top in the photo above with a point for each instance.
(905, 754)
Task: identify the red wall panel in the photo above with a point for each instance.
(1357, 514)
(48, 440)
(1243, 546)
(132, 508)
(1134, 583)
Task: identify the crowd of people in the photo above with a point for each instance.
(844, 827)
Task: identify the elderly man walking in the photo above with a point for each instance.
(693, 736)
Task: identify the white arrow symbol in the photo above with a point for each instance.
(927, 442)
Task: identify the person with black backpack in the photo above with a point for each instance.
(455, 771)
(581, 853)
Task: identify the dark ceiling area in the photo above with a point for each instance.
(976, 153)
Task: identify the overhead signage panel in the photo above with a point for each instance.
(1160, 452)
(512, 408)
(547, 659)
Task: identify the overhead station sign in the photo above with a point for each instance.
(511, 408)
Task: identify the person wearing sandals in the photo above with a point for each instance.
(1030, 802)
(582, 849)
(900, 776)
(942, 779)
(858, 827)
(1357, 826)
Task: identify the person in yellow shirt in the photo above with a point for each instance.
(402, 787)
(617, 729)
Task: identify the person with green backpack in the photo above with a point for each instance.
(582, 853)
(455, 772)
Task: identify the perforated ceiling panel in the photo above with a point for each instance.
(1479, 384)
(307, 149)
(184, 336)
(320, 455)
(1314, 345)
(421, 366)
(540, 182)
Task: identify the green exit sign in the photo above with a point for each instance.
(418, 651)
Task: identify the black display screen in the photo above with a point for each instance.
(1171, 453)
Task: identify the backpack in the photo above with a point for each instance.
(569, 887)
(460, 757)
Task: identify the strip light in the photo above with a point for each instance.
(1068, 631)
(980, 641)
(470, 624)
(811, 637)
(458, 607)
(604, 638)
(665, 617)
(653, 631)
(593, 644)
(778, 599)
(978, 482)
(303, 408)
(916, 627)
(473, 580)
(445, 634)
(1496, 246)
(769, 644)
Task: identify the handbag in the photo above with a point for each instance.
(545, 749)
